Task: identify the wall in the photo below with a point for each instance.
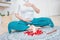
(47, 7)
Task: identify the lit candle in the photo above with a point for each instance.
(34, 28)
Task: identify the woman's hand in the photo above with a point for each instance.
(21, 18)
(26, 20)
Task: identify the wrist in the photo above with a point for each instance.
(32, 5)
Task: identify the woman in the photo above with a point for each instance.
(25, 15)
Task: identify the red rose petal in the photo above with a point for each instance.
(38, 32)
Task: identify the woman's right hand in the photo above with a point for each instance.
(27, 20)
(21, 18)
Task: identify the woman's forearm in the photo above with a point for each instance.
(36, 9)
(33, 6)
(19, 17)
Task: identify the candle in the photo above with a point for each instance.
(34, 28)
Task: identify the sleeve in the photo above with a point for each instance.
(15, 8)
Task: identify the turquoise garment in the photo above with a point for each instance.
(42, 22)
(17, 25)
(22, 25)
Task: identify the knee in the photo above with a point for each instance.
(12, 23)
(10, 26)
